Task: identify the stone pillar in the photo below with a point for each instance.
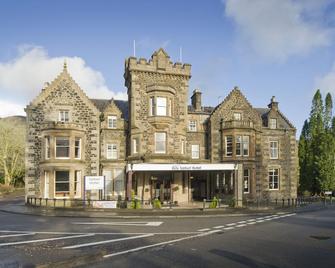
(129, 186)
(239, 186)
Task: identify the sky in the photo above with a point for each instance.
(282, 48)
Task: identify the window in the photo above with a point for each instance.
(237, 116)
(192, 125)
(274, 179)
(160, 142)
(63, 116)
(77, 183)
(242, 145)
(111, 151)
(136, 146)
(62, 147)
(229, 145)
(47, 147)
(152, 106)
(77, 148)
(195, 151)
(273, 123)
(273, 149)
(62, 183)
(112, 119)
(161, 106)
(246, 181)
(170, 107)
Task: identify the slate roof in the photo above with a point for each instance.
(101, 104)
(204, 109)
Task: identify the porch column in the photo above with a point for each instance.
(129, 186)
(239, 186)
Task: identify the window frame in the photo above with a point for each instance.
(161, 141)
(69, 148)
(77, 186)
(112, 121)
(66, 194)
(274, 149)
(192, 125)
(47, 148)
(62, 116)
(271, 178)
(239, 116)
(193, 155)
(271, 123)
(231, 146)
(112, 152)
(77, 147)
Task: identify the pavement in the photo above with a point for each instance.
(17, 205)
(304, 238)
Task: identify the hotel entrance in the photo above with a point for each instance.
(161, 187)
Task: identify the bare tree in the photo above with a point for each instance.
(12, 142)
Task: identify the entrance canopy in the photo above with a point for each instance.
(179, 167)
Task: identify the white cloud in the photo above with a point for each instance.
(326, 83)
(22, 78)
(8, 108)
(279, 29)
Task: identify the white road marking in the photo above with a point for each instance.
(260, 221)
(229, 228)
(44, 240)
(150, 223)
(261, 218)
(107, 241)
(218, 227)
(203, 230)
(13, 235)
(160, 244)
(241, 225)
(231, 224)
(251, 222)
(242, 221)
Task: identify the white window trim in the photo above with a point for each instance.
(270, 124)
(56, 148)
(192, 125)
(226, 143)
(243, 142)
(113, 119)
(62, 197)
(111, 156)
(273, 189)
(271, 149)
(239, 115)
(77, 193)
(158, 151)
(198, 151)
(158, 108)
(79, 148)
(60, 115)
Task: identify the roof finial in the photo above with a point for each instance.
(65, 65)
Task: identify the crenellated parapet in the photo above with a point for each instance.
(159, 63)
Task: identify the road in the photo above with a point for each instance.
(275, 240)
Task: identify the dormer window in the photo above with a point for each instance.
(273, 123)
(237, 117)
(63, 116)
(112, 119)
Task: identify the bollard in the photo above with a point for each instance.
(40, 201)
(54, 202)
(276, 201)
(283, 202)
(288, 201)
(64, 202)
(204, 204)
(219, 202)
(46, 202)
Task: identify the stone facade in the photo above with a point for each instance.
(156, 144)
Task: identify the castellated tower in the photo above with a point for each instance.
(157, 97)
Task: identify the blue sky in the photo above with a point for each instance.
(283, 48)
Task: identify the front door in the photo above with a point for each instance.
(162, 188)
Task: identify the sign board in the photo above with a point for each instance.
(94, 182)
(328, 192)
(104, 204)
(179, 167)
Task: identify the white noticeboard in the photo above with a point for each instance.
(328, 192)
(94, 182)
(105, 204)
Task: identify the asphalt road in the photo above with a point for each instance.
(275, 240)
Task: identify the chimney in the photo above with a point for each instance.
(196, 100)
(273, 104)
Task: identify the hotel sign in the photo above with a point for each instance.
(179, 167)
(94, 182)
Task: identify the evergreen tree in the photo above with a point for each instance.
(328, 112)
(305, 176)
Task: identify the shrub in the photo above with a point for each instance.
(157, 203)
(214, 203)
(6, 189)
